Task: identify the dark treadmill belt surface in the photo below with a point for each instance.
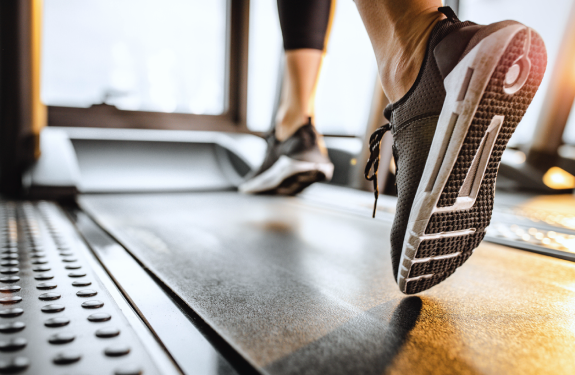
(298, 288)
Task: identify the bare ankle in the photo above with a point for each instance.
(399, 69)
(288, 122)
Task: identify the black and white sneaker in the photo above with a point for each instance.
(292, 165)
(449, 132)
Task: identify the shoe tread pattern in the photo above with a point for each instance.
(463, 245)
(296, 183)
(494, 102)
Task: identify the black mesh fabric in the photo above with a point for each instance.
(302, 145)
(412, 144)
(427, 94)
(414, 119)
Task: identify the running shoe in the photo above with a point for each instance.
(292, 165)
(449, 133)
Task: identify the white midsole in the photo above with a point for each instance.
(282, 169)
(435, 236)
(450, 136)
(438, 257)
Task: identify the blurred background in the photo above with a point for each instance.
(196, 65)
(142, 56)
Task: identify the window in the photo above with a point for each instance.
(142, 55)
(173, 56)
(349, 75)
(346, 82)
(265, 53)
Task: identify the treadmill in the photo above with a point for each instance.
(130, 251)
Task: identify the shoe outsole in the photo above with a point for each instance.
(454, 201)
(295, 184)
(288, 177)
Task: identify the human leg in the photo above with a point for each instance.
(296, 102)
(305, 28)
(399, 31)
(296, 156)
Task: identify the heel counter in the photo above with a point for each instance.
(449, 51)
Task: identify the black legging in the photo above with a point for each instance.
(304, 23)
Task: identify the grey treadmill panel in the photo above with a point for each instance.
(300, 288)
(135, 166)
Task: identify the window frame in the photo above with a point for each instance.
(236, 82)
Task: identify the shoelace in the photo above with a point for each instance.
(373, 160)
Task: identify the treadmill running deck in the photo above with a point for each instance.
(301, 288)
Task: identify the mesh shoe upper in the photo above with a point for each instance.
(413, 122)
(455, 141)
(303, 145)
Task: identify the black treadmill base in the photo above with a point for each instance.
(299, 287)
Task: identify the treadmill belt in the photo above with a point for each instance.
(302, 288)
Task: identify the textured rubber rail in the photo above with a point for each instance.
(452, 235)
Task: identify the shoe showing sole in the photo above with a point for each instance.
(487, 94)
(288, 177)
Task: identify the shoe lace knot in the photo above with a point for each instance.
(373, 160)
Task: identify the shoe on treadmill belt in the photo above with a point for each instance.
(449, 133)
(292, 165)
